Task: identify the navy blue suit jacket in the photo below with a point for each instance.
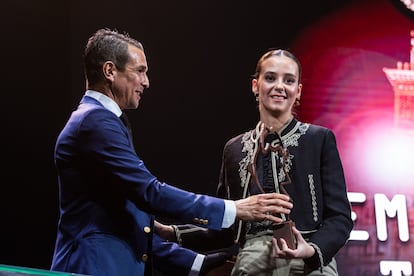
(108, 199)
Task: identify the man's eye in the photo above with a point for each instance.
(140, 70)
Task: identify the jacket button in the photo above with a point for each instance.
(144, 257)
(196, 220)
(147, 229)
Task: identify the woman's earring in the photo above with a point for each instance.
(256, 95)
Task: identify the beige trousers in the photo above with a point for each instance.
(256, 259)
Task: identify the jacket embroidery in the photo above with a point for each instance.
(313, 196)
(250, 144)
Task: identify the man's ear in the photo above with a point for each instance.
(109, 70)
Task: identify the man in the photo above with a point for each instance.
(108, 198)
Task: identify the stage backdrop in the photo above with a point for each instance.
(358, 75)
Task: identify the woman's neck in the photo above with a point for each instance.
(276, 124)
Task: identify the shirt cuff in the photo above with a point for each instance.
(229, 213)
(196, 267)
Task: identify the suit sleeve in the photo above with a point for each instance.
(170, 258)
(104, 140)
(337, 223)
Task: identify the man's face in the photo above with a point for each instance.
(130, 84)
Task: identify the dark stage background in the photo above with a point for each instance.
(201, 55)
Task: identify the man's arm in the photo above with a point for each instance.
(196, 238)
(172, 259)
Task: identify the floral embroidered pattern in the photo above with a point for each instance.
(290, 139)
(247, 147)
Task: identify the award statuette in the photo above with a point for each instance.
(284, 229)
(279, 156)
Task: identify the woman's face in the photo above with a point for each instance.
(277, 86)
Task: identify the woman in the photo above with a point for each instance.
(283, 155)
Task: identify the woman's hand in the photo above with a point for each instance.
(303, 250)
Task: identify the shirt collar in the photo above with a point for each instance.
(107, 102)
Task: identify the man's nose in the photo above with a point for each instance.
(146, 82)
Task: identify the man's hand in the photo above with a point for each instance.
(216, 263)
(166, 232)
(263, 207)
